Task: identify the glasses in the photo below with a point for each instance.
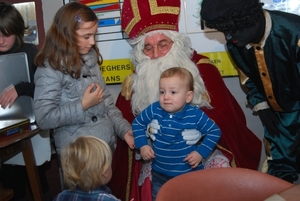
(161, 46)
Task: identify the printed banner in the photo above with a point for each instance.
(115, 71)
(222, 61)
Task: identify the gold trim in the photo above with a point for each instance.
(130, 157)
(265, 78)
(136, 16)
(243, 79)
(232, 163)
(126, 88)
(158, 26)
(155, 9)
(205, 61)
(206, 97)
(298, 43)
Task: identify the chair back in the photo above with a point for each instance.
(222, 184)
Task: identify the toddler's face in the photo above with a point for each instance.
(173, 94)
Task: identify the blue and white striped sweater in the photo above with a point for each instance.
(169, 147)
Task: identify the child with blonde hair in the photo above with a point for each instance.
(86, 165)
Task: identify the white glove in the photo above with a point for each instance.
(152, 129)
(192, 136)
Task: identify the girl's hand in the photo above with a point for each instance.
(8, 97)
(93, 95)
(128, 137)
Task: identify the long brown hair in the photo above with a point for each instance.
(60, 47)
(12, 23)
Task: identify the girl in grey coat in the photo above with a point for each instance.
(70, 94)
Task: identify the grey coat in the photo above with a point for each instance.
(57, 105)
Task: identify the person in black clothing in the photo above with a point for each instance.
(264, 46)
(12, 29)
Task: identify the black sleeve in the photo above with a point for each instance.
(27, 88)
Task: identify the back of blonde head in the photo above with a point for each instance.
(84, 161)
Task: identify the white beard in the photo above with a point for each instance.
(146, 81)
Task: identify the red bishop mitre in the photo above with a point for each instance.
(143, 16)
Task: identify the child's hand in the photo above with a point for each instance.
(147, 152)
(8, 97)
(194, 158)
(93, 95)
(128, 137)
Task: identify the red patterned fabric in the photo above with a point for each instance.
(238, 143)
(140, 17)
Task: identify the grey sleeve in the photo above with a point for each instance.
(49, 113)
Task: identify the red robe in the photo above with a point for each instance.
(237, 142)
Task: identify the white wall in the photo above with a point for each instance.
(203, 42)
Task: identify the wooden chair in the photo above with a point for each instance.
(6, 194)
(222, 184)
(289, 194)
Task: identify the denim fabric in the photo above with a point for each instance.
(158, 179)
